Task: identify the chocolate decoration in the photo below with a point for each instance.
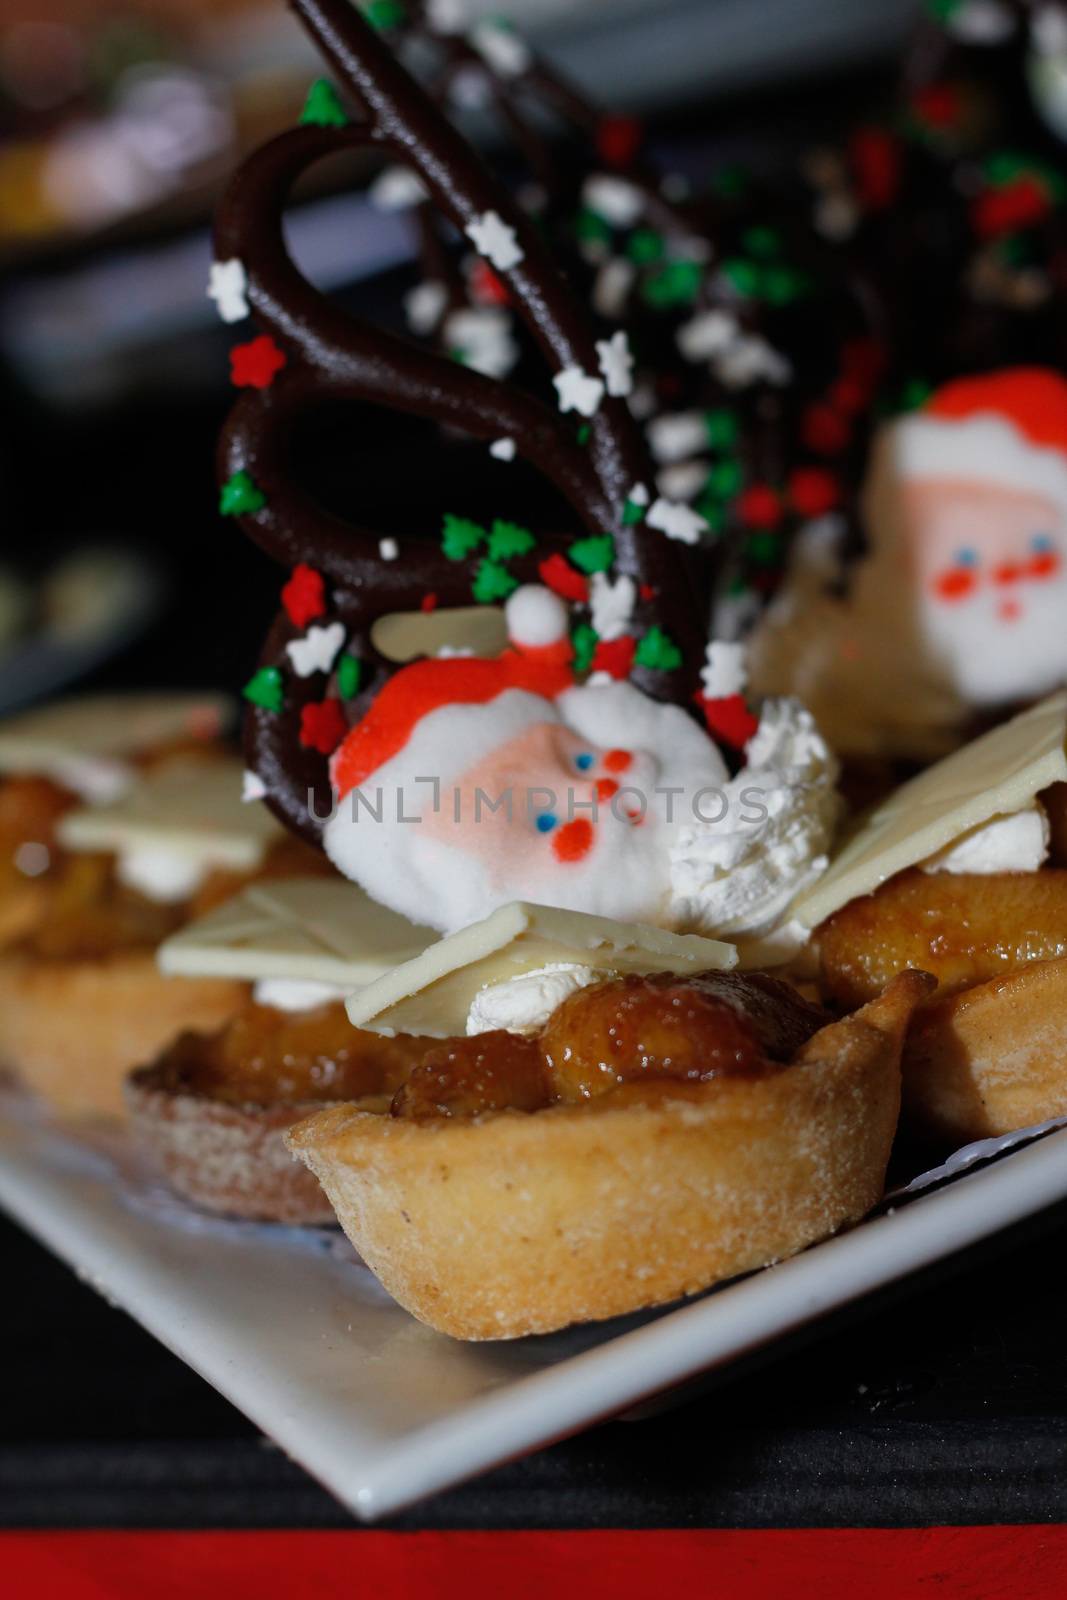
(334, 356)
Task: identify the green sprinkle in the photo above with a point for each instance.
(764, 548)
(323, 108)
(722, 428)
(459, 537)
(915, 393)
(492, 582)
(632, 513)
(713, 511)
(744, 275)
(591, 227)
(264, 688)
(584, 639)
(349, 672)
(730, 182)
(241, 496)
(675, 284)
(384, 13)
(458, 354)
(507, 539)
(644, 246)
(658, 651)
(762, 241)
(594, 554)
(584, 434)
(725, 479)
(783, 285)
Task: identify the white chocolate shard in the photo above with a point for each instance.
(306, 930)
(995, 775)
(432, 994)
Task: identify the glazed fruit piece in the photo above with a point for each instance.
(964, 928)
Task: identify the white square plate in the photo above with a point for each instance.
(294, 1331)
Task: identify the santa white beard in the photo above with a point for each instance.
(989, 660)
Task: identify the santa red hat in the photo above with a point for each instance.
(1006, 428)
(538, 659)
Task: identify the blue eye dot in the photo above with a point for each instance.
(584, 761)
(545, 822)
(967, 557)
(1042, 543)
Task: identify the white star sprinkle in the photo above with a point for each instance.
(502, 449)
(495, 239)
(683, 479)
(577, 391)
(482, 335)
(500, 47)
(616, 363)
(316, 651)
(676, 434)
(613, 283)
(396, 189)
(425, 304)
(677, 522)
(611, 604)
(638, 494)
(617, 201)
(749, 360)
(228, 287)
(252, 787)
(446, 16)
(725, 669)
(706, 335)
(388, 549)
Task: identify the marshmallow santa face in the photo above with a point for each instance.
(981, 474)
(992, 586)
(565, 801)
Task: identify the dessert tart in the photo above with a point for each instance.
(81, 998)
(962, 872)
(213, 1109)
(75, 752)
(660, 1133)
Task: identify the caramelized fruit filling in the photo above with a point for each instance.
(264, 1056)
(965, 928)
(632, 1030)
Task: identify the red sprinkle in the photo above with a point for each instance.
(647, 591)
(618, 760)
(322, 726)
(486, 288)
(428, 602)
(760, 507)
(618, 140)
(876, 163)
(728, 718)
(614, 656)
(1016, 205)
(604, 788)
(254, 365)
(574, 840)
(304, 596)
(1008, 572)
(938, 105)
(813, 490)
(563, 579)
(825, 430)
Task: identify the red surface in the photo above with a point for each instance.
(1026, 1563)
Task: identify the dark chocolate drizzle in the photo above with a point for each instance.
(332, 355)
